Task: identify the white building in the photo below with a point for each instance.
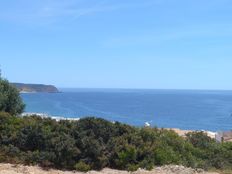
(224, 136)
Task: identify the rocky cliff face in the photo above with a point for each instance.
(35, 88)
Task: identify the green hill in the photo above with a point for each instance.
(35, 87)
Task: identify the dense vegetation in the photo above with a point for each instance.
(93, 143)
(10, 100)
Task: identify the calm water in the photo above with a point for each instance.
(185, 109)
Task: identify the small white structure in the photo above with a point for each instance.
(224, 136)
(147, 124)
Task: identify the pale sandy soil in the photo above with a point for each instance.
(182, 133)
(20, 169)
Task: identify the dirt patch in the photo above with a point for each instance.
(170, 169)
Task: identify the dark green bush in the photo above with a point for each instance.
(10, 100)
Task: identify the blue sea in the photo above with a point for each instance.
(184, 109)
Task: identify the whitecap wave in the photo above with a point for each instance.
(44, 115)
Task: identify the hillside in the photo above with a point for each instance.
(35, 87)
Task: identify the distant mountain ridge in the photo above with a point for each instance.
(22, 87)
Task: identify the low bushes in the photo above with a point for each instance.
(94, 143)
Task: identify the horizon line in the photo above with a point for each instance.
(122, 88)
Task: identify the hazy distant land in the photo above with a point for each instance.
(24, 88)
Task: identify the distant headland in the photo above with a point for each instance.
(28, 88)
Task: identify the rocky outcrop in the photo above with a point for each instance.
(170, 169)
(35, 88)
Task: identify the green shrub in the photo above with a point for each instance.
(83, 167)
(199, 139)
(10, 100)
(166, 155)
(132, 167)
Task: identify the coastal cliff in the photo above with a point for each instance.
(35, 88)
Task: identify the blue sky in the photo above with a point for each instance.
(164, 44)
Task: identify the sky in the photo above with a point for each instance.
(155, 44)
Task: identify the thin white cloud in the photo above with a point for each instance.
(104, 7)
(54, 10)
(171, 35)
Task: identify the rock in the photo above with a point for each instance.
(168, 169)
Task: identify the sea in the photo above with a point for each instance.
(184, 109)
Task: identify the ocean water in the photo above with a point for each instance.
(184, 109)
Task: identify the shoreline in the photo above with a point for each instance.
(35, 92)
(55, 117)
(183, 133)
